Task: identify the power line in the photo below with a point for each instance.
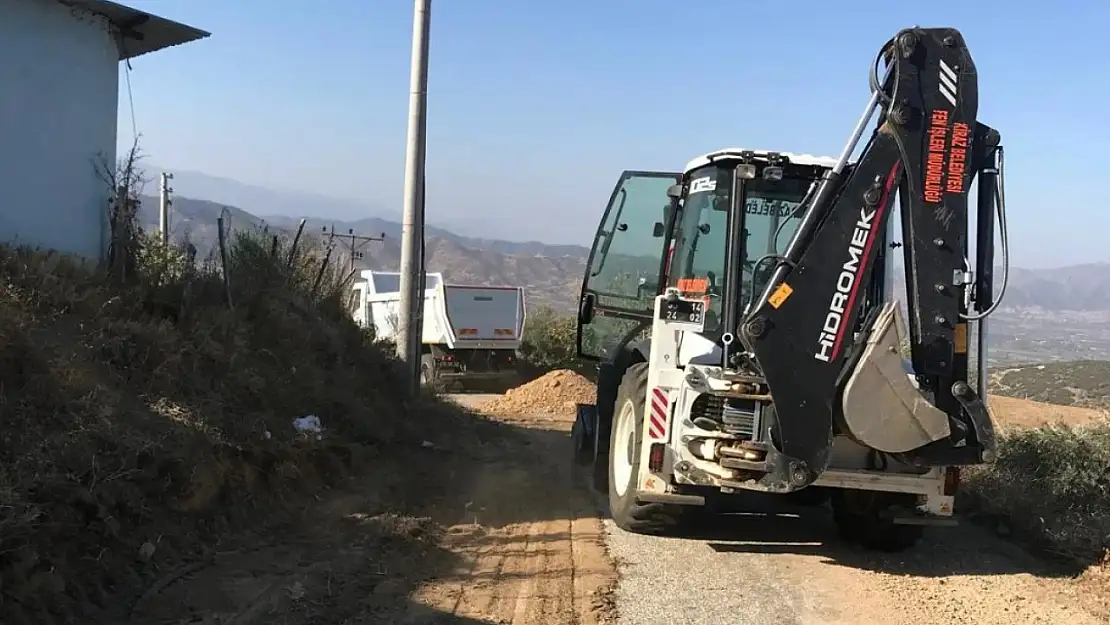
(353, 242)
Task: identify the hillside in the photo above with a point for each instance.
(1084, 383)
(1083, 288)
(551, 274)
(151, 437)
(1049, 314)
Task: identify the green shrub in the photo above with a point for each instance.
(1052, 485)
(550, 340)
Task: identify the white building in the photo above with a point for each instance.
(59, 86)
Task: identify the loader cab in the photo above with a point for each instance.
(672, 229)
(680, 230)
(739, 211)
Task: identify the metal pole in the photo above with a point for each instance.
(412, 226)
(164, 209)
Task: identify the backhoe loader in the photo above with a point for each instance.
(746, 329)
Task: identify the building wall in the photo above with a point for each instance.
(59, 75)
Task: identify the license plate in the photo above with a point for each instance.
(683, 311)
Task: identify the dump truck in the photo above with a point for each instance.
(748, 336)
(471, 335)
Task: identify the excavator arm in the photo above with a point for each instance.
(817, 333)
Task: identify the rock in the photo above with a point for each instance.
(146, 551)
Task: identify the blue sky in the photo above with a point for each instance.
(536, 106)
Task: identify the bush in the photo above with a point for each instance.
(136, 406)
(550, 340)
(1052, 485)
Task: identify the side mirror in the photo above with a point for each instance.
(586, 309)
(658, 230)
(674, 191)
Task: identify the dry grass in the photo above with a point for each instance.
(1012, 413)
(148, 416)
(1051, 482)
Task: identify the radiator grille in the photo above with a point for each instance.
(737, 416)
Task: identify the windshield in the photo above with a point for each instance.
(701, 234)
(769, 224)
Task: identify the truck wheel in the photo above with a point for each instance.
(581, 435)
(624, 461)
(859, 518)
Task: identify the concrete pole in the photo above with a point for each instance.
(421, 283)
(164, 209)
(412, 223)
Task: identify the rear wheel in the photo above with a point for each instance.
(624, 462)
(860, 518)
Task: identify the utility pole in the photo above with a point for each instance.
(164, 208)
(354, 242)
(412, 225)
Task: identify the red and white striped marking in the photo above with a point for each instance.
(657, 423)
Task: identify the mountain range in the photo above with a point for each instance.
(1048, 314)
(1078, 288)
(551, 274)
(265, 201)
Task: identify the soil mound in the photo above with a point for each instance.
(555, 392)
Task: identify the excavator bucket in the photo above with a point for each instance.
(883, 409)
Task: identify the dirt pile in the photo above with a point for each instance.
(555, 392)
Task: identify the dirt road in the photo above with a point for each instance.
(506, 538)
(786, 565)
(789, 568)
(514, 538)
(531, 541)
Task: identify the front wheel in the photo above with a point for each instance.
(626, 438)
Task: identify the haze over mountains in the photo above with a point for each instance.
(272, 202)
(1049, 314)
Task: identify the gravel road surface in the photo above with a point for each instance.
(780, 565)
(790, 568)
